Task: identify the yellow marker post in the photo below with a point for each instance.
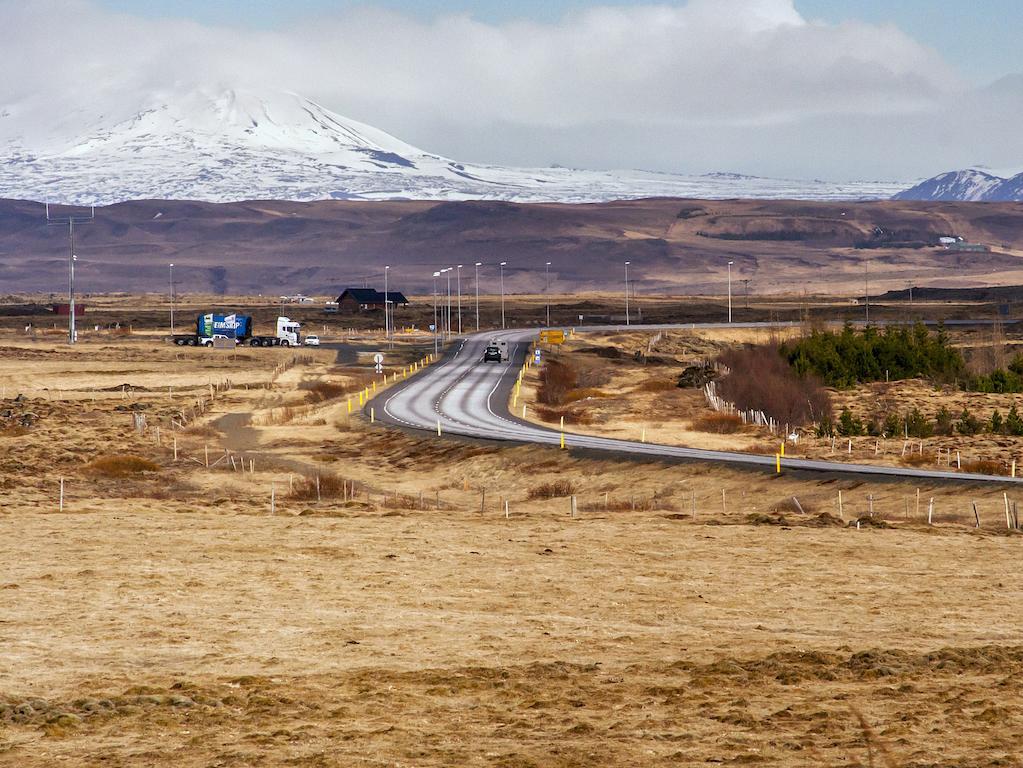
(777, 463)
(643, 438)
(782, 448)
(562, 440)
(523, 410)
(349, 405)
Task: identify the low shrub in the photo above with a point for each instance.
(330, 487)
(718, 423)
(120, 465)
(321, 391)
(557, 380)
(553, 415)
(551, 490)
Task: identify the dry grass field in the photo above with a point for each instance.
(687, 615)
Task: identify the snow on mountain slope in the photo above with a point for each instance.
(968, 185)
(233, 145)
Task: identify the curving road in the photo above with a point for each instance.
(470, 398)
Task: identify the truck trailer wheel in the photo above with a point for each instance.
(253, 342)
(193, 342)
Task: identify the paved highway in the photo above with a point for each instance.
(468, 397)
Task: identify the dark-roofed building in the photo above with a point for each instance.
(368, 300)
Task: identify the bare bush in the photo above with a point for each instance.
(551, 490)
(120, 465)
(330, 486)
(557, 380)
(762, 380)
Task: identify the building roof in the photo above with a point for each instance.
(372, 296)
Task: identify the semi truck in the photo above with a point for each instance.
(211, 327)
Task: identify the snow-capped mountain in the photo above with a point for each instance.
(232, 145)
(971, 184)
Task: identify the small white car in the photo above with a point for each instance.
(312, 341)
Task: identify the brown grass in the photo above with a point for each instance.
(718, 423)
(120, 465)
(656, 385)
(552, 415)
(321, 391)
(584, 393)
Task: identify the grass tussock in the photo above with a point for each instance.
(120, 465)
(585, 393)
(984, 467)
(551, 490)
(718, 423)
(918, 459)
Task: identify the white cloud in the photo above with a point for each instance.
(696, 70)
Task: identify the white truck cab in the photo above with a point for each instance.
(289, 332)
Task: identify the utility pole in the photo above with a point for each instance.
(746, 284)
(547, 290)
(172, 298)
(502, 265)
(627, 321)
(478, 265)
(448, 316)
(71, 220)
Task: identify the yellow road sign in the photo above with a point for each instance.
(552, 337)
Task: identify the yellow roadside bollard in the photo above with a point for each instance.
(777, 463)
(782, 448)
(523, 410)
(349, 405)
(562, 441)
(643, 438)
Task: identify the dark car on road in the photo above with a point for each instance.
(492, 354)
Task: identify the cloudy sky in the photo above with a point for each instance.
(790, 88)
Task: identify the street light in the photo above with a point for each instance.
(172, 298)
(435, 276)
(447, 323)
(627, 322)
(71, 220)
(502, 265)
(730, 290)
(387, 296)
(478, 265)
(547, 290)
(458, 281)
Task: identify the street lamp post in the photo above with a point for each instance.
(547, 290)
(627, 319)
(172, 298)
(435, 341)
(730, 290)
(387, 297)
(502, 265)
(71, 220)
(458, 282)
(478, 265)
(448, 315)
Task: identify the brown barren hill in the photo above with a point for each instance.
(675, 246)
